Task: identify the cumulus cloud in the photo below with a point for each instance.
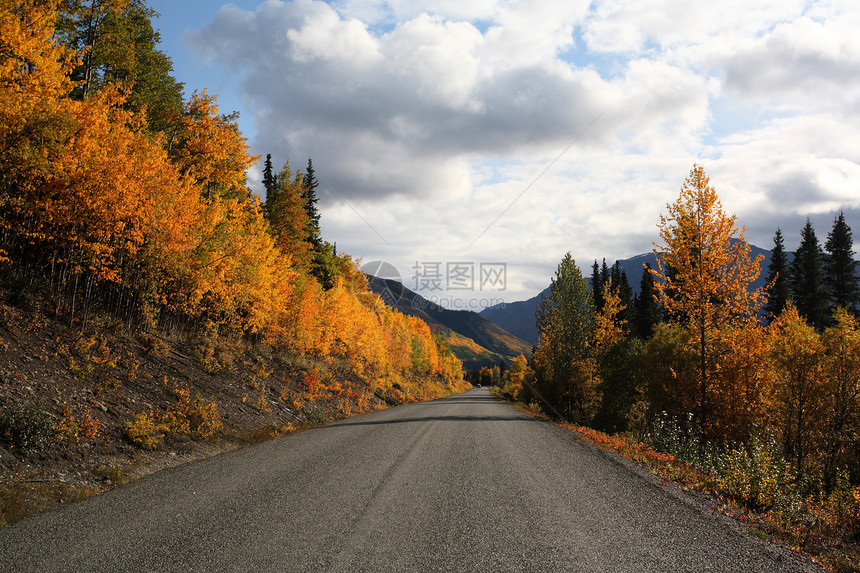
(802, 63)
(650, 25)
(427, 120)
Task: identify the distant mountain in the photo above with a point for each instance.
(473, 338)
(634, 266)
(518, 318)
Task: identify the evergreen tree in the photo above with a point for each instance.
(621, 288)
(605, 276)
(309, 194)
(326, 265)
(840, 278)
(647, 309)
(566, 370)
(779, 276)
(625, 294)
(806, 284)
(269, 180)
(596, 287)
(284, 209)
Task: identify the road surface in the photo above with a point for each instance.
(465, 483)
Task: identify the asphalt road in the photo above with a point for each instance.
(460, 484)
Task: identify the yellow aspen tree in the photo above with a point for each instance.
(608, 326)
(33, 129)
(797, 358)
(210, 148)
(704, 271)
(842, 393)
(741, 379)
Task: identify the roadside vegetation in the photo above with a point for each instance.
(149, 299)
(752, 394)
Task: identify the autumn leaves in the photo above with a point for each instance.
(716, 366)
(104, 208)
(704, 277)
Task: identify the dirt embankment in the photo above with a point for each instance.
(82, 410)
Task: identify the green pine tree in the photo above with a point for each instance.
(778, 275)
(648, 313)
(605, 275)
(596, 287)
(625, 294)
(309, 194)
(806, 274)
(621, 288)
(840, 272)
(269, 179)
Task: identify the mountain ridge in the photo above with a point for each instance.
(473, 338)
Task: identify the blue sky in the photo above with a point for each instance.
(513, 132)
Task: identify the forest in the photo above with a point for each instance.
(757, 388)
(123, 198)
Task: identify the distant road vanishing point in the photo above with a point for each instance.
(464, 483)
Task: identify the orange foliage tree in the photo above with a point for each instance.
(796, 356)
(842, 391)
(162, 228)
(209, 148)
(741, 379)
(33, 78)
(704, 272)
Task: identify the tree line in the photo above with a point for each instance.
(725, 366)
(817, 280)
(120, 196)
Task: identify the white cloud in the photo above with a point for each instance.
(324, 36)
(801, 64)
(426, 120)
(634, 26)
(440, 59)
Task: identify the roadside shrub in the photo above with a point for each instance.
(25, 428)
(187, 415)
(841, 507)
(110, 473)
(145, 430)
(682, 438)
(89, 358)
(314, 415)
(72, 429)
(205, 417)
(758, 473)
